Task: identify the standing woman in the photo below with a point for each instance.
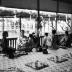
(55, 41)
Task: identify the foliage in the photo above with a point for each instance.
(23, 14)
(6, 13)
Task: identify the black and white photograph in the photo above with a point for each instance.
(35, 35)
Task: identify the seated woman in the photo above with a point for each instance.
(4, 42)
(65, 41)
(30, 43)
(21, 41)
(36, 40)
(5, 47)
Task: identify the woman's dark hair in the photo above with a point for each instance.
(30, 35)
(5, 34)
(66, 32)
(46, 34)
(33, 33)
(22, 31)
(53, 31)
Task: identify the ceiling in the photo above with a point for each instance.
(65, 6)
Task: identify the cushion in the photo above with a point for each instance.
(59, 59)
(37, 65)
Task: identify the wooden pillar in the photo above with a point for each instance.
(20, 23)
(71, 23)
(30, 15)
(38, 9)
(48, 23)
(57, 11)
(3, 24)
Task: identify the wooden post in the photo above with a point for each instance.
(38, 9)
(38, 21)
(57, 11)
(3, 24)
(20, 23)
(71, 23)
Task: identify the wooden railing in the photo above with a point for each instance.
(12, 42)
(41, 40)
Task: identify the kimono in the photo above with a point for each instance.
(47, 41)
(55, 42)
(4, 45)
(66, 41)
(21, 43)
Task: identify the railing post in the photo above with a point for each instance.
(15, 43)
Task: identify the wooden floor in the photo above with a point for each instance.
(6, 63)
